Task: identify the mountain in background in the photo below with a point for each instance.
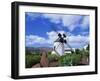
(37, 50)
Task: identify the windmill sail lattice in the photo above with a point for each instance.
(60, 42)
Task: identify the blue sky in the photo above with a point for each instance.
(41, 28)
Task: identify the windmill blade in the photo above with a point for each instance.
(67, 39)
(64, 36)
(58, 45)
(68, 35)
(56, 48)
(69, 46)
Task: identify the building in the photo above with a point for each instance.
(67, 50)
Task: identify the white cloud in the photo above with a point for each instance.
(33, 16)
(52, 36)
(78, 38)
(55, 18)
(78, 41)
(69, 21)
(85, 22)
(84, 33)
(37, 40)
(32, 39)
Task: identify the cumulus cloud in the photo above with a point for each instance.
(33, 39)
(52, 36)
(78, 41)
(78, 38)
(85, 33)
(69, 21)
(55, 18)
(33, 16)
(85, 22)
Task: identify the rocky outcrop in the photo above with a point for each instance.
(44, 62)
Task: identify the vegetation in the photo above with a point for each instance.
(32, 59)
(73, 59)
(69, 60)
(52, 57)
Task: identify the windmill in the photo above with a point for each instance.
(60, 43)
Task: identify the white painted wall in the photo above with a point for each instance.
(5, 41)
(59, 48)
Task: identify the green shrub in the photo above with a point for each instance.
(65, 60)
(53, 57)
(76, 59)
(32, 59)
(69, 60)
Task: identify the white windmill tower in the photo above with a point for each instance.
(59, 45)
